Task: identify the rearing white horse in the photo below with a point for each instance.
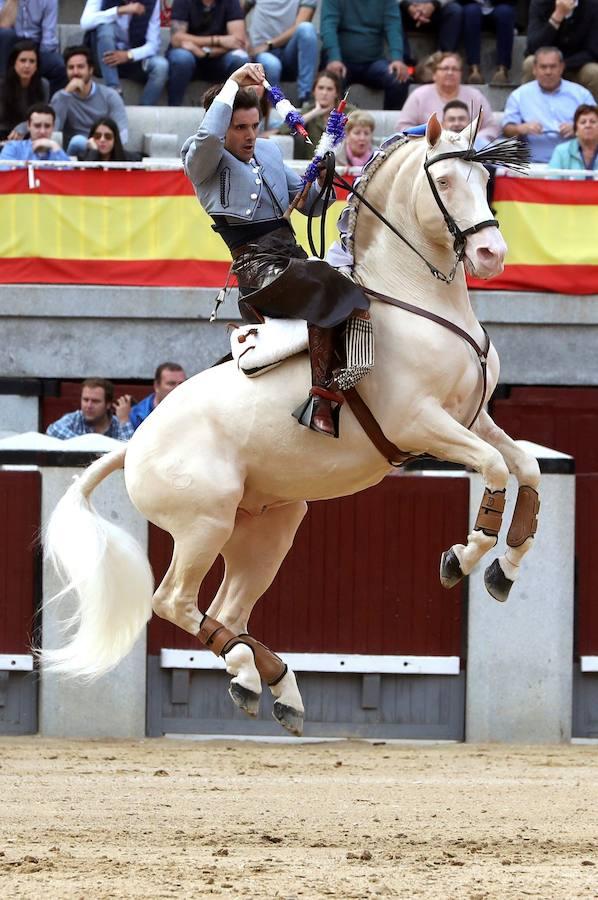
(236, 478)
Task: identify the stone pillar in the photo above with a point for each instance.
(114, 705)
(519, 661)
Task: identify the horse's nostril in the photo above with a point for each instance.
(485, 254)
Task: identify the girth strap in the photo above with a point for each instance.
(369, 423)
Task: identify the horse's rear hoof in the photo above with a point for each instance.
(497, 583)
(450, 569)
(289, 718)
(245, 699)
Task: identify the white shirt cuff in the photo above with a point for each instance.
(228, 93)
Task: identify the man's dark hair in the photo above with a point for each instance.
(41, 108)
(583, 110)
(455, 104)
(100, 383)
(78, 51)
(541, 51)
(172, 367)
(245, 98)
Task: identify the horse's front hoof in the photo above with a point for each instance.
(245, 699)
(289, 718)
(497, 583)
(450, 569)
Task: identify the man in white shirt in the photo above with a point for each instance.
(126, 41)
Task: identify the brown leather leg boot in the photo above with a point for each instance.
(317, 413)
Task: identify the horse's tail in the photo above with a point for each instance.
(106, 570)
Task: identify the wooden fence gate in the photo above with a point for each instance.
(20, 510)
(358, 610)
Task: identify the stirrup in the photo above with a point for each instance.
(306, 411)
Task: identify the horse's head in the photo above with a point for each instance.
(453, 190)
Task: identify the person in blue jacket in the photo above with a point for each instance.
(168, 376)
(581, 152)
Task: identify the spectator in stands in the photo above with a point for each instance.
(37, 21)
(168, 376)
(21, 89)
(441, 17)
(104, 144)
(488, 15)
(284, 40)
(208, 41)
(455, 117)
(327, 92)
(572, 27)
(581, 152)
(358, 146)
(126, 41)
(39, 145)
(430, 98)
(354, 35)
(542, 110)
(95, 415)
(83, 102)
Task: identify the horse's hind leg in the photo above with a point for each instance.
(501, 574)
(253, 556)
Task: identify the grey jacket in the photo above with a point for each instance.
(228, 186)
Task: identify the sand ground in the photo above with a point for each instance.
(169, 818)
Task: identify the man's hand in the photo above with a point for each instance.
(255, 51)
(398, 68)
(531, 128)
(248, 75)
(75, 86)
(337, 67)
(15, 135)
(562, 8)
(122, 408)
(115, 57)
(131, 9)
(566, 130)
(230, 42)
(44, 144)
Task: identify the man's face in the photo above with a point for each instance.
(93, 404)
(455, 119)
(169, 379)
(548, 70)
(41, 125)
(78, 67)
(242, 133)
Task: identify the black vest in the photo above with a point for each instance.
(137, 24)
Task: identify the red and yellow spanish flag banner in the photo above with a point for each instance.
(551, 229)
(137, 227)
(92, 226)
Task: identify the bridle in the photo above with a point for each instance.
(506, 153)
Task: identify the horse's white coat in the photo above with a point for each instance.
(223, 466)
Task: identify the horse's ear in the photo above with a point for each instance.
(470, 132)
(433, 130)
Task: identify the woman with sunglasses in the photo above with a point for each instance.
(104, 144)
(22, 88)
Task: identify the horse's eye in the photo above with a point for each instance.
(442, 182)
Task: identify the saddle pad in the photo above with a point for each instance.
(258, 348)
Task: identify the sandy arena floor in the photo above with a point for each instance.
(169, 818)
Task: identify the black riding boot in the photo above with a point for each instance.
(318, 412)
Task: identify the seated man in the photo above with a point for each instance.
(126, 41)
(455, 117)
(83, 102)
(354, 39)
(542, 110)
(39, 145)
(441, 17)
(208, 41)
(168, 376)
(283, 39)
(572, 27)
(95, 415)
(35, 20)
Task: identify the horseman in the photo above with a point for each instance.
(243, 184)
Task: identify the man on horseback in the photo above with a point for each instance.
(244, 185)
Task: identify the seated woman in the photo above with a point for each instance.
(22, 88)
(327, 91)
(358, 146)
(104, 144)
(581, 152)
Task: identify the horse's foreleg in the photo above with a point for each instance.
(501, 574)
(253, 555)
(444, 438)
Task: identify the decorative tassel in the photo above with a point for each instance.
(287, 111)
